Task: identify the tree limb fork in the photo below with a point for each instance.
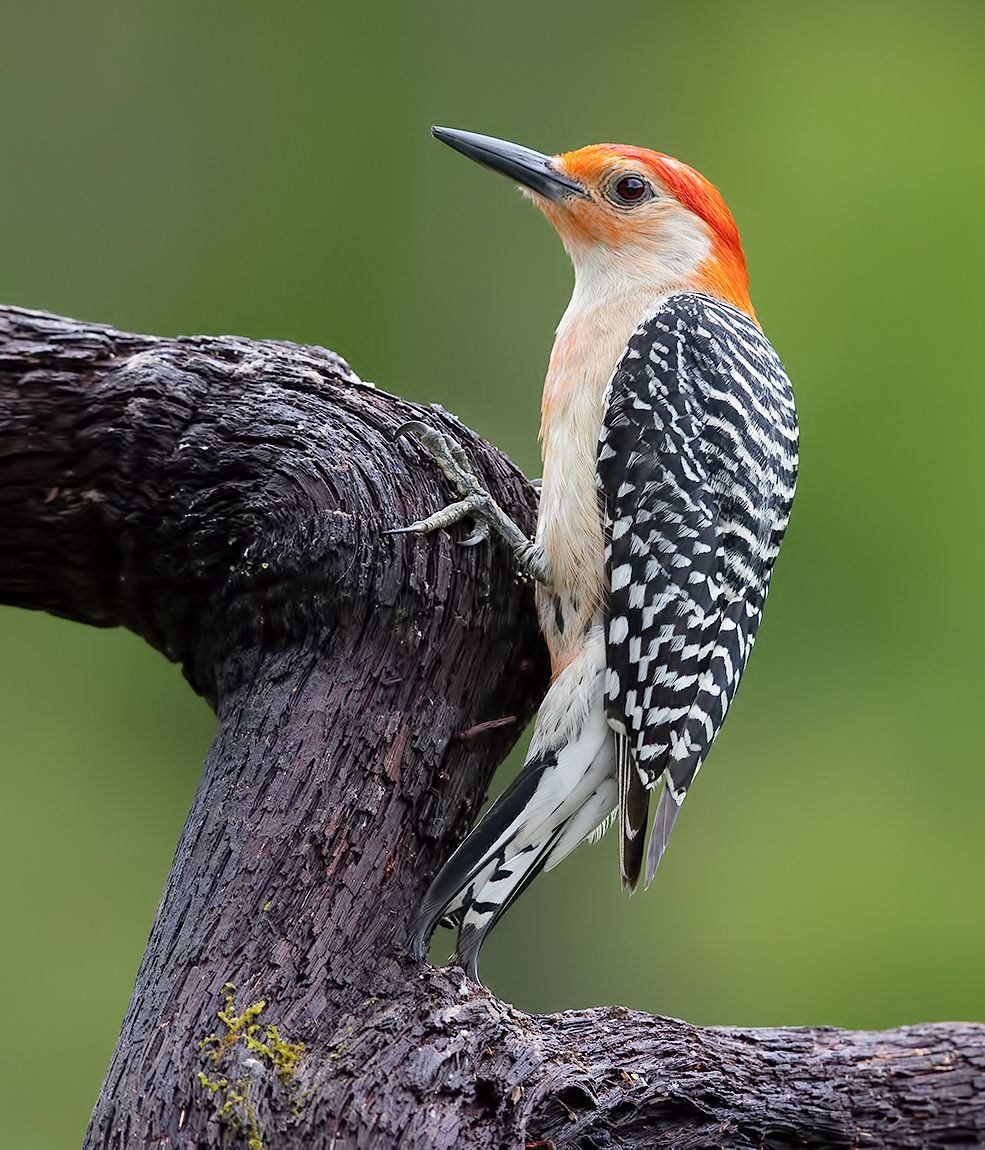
(227, 500)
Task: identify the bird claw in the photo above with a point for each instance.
(479, 535)
(420, 429)
(454, 463)
(474, 503)
(448, 455)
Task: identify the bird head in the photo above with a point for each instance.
(626, 214)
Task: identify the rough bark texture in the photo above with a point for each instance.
(226, 500)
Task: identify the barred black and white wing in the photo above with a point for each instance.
(696, 470)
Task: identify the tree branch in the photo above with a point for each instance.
(226, 500)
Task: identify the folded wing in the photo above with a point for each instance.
(696, 470)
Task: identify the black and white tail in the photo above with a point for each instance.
(566, 791)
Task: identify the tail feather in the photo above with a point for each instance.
(598, 834)
(595, 812)
(514, 874)
(554, 803)
(510, 879)
(449, 891)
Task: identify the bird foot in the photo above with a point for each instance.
(475, 503)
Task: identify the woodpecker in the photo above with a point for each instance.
(669, 437)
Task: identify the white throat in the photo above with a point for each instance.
(654, 266)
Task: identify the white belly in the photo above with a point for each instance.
(590, 340)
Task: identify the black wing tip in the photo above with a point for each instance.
(634, 805)
(630, 883)
(668, 808)
(631, 861)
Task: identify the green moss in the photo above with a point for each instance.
(283, 1056)
(266, 1044)
(399, 618)
(212, 1085)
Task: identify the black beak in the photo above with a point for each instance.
(523, 165)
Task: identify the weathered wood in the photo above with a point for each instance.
(226, 500)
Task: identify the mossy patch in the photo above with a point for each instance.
(243, 1033)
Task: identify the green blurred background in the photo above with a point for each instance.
(267, 170)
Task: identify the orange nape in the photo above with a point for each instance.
(667, 225)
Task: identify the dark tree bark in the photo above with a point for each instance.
(226, 500)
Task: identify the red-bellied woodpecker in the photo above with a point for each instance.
(670, 456)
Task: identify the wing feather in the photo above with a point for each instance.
(696, 470)
(634, 803)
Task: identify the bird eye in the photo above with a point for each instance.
(629, 190)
